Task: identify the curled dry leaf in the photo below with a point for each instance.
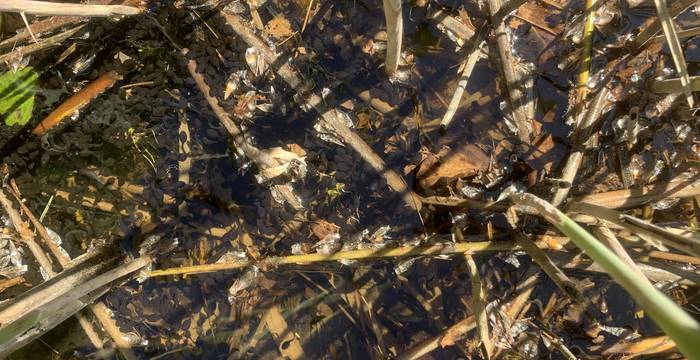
(464, 161)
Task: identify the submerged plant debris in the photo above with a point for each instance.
(248, 182)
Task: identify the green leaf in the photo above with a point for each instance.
(17, 91)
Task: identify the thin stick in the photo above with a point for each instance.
(55, 40)
(670, 317)
(364, 254)
(548, 266)
(329, 116)
(512, 78)
(394, 33)
(8, 283)
(26, 235)
(259, 157)
(306, 17)
(472, 59)
(479, 301)
(579, 137)
(570, 261)
(41, 27)
(40, 229)
(26, 23)
(653, 25)
(48, 8)
(99, 310)
(668, 86)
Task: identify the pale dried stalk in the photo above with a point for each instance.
(98, 309)
(479, 301)
(688, 245)
(669, 86)
(363, 254)
(55, 40)
(87, 267)
(674, 45)
(41, 27)
(47, 8)
(472, 59)
(630, 198)
(580, 136)
(512, 78)
(654, 26)
(394, 33)
(26, 235)
(69, 301)
(562, 281)
(610, 240)
(329, 116)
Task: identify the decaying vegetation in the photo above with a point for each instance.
(349, 179)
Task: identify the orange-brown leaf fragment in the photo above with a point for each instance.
(279, 27)
(322, 228)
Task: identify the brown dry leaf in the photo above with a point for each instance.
(323, 228)
(466, 160)
(279, 27)
(536, 15)
(642, 346)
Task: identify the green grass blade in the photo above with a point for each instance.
(676, 323)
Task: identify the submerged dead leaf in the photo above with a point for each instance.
(465, 161)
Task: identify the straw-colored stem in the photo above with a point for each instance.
(656, 233)
(437, 249)
(675, 322)
(513, 79)
(674, 45)
(584, 73)
(580, 135)
(479, 302)
(48, 8)
(394, 33)
(472, 59)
